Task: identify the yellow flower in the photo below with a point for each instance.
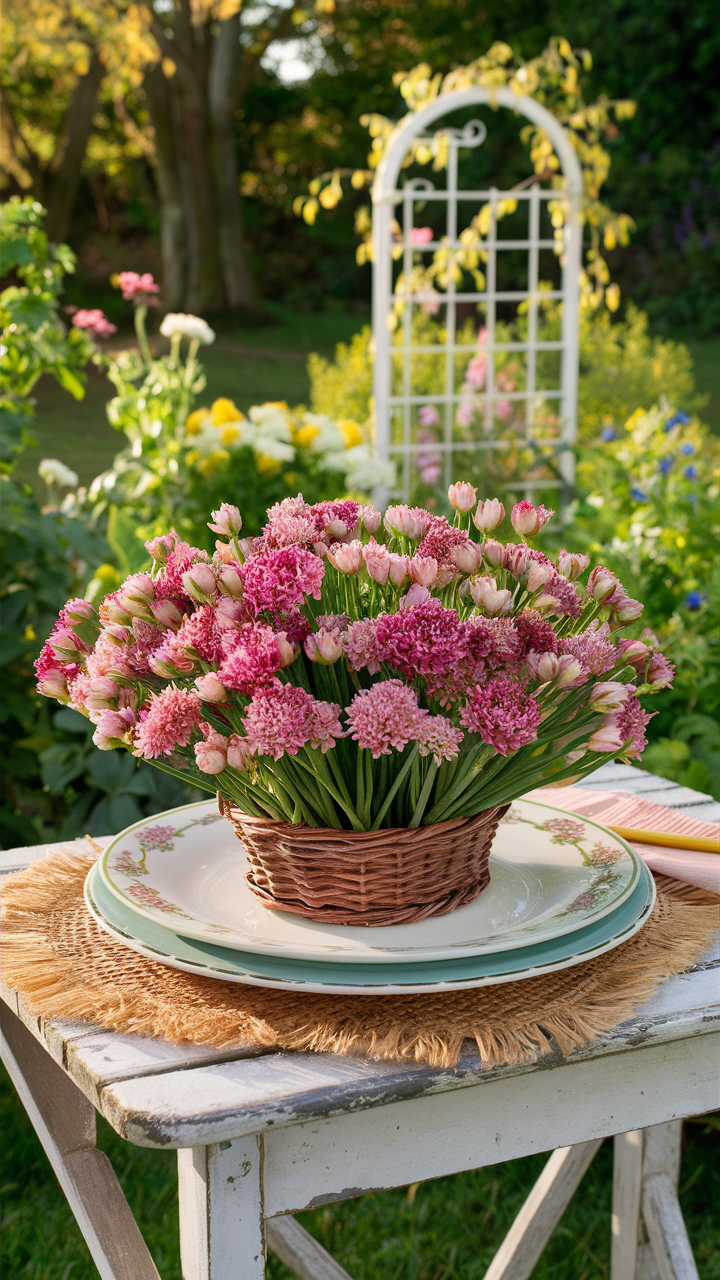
(267, 466)
(224, 411)
(29, 633)
(277, 404)
(290, 479)
(208, 466)
(351, 432)
(191, 457)
(304, 436)
(195, 421)
(634, 419)
(230, 434)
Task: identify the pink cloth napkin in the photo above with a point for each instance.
(623, 809)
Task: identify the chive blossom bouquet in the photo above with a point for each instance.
(352, 672)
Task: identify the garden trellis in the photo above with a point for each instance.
(397, 398)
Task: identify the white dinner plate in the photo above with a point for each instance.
(552, 873)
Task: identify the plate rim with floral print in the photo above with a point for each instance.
(543, 885)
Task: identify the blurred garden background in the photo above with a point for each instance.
(221, 153)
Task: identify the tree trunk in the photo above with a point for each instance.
(173, 223)
(62, 177)
(221, 101)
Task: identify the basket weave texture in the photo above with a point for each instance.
(377, 878)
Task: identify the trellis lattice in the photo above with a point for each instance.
(398, 298)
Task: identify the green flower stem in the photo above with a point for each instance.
(144, 345)
(395, 787)
(323, 779)
(424, 795)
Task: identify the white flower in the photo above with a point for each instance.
(329, 437)
(52, 471)
(271, 420)
(187, 327)
(363, 473)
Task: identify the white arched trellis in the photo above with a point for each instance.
(396, 407)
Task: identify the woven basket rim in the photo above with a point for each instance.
(227, 807)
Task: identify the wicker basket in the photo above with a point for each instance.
(385, 877)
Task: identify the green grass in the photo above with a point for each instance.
(706, 370)
(447, 1229)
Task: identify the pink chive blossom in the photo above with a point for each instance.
(227, 520)
(137, 288)
(377, 561)
(462, 496)
(572, 563)
(166, 613)
(542, 666)
(200, 634)
(282, 718)
(527, 520)
(94, 321)
(607, 738)
(539, 575)
(488, 515)
(112, 727)
(170, 722)
(624, 607)
(385, 715)
(362, 646)
(278, 581)
(66, 646)
(161, 548)
(632, 721)
(252, 656)
(178, 560)
(228, 612)
(439, 739)
(439, 540)
(291, 522)
(337, 519)
(593, 648)
(504, 716)
(424, 638)
(660, 673)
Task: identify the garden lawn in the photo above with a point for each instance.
(448, 1229)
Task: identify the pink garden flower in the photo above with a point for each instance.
(593, 648)
(421, 235)
(424, 638)
(170, 721)
(488, 515)
(278, 581)
(363, 647)
(200, 634)
(528, 520)
(439, 540)
(95, 322)
(660, 672)
(112, 727)
(251, 657)
(385, 715)
(428, 415)
(137, 288)
(282, 718)
(211, 754)
(377, 561)
(439, 738)
(504, 716)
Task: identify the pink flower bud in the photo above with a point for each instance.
(572, 672)
(634, 652)
(416, 594)
(117, 634)
(398, 570)
(238, 753)
(66, 646)
(515, 559)
(410, 524)
(166, 613)
(81, 611)
(423, 570)
(228, 611)
(210, 688)
(346, 557)
(288, 649)
(607, 738)
(494, 553)
(538, 575)
(246, 545)
(228, 520)
(488, 515)
(377, 561)
(371, 519)
(467, 558)
(626, 609)
(199, 583)
(601, 584)
(542, 666)
(462, 496)
(54, 685)
(525, 519)
(101, 693)
(180, 665)
(112, 611)
(660, 673)
(609, 695)
(140, 587)
(572, 563)
(160, 548)
(112, 728)
(337, 530)
(485, 593)
(209, 759)
(224, 553)
(322, 647)
(229, 582)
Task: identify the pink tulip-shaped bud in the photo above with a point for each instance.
(398, 570)
(228, 520)
(494, 553)
(601, 584)
(322, 647)
(166, 613)
(488, 515)
(179, 665)
(609, 695)
(289, 649)
(485, 593)
(117, 634)
(246, 545)
(571, 672)
(515, 559)
(136, 594)
(112, 611)
(423, 570)
(100, 693)
(80, 611)
(239, 753)
(199, 583)
(160, 548)
(228, 611)
(572, 563)
(371, 519)
(210, 759)
(112, 727)
(410, 524)
(542, 666)
(66, 646)
(416, 594)
(626, 609)
(538, 575)
(224, 553)
(210, 688)
(607, 738)
(634, 652)
(462, 496)
(346, 557)
(467, 558)
(525, 519)
(337, 530)
(377, 561)
(53, 684)
(660, 673)
(229, 582)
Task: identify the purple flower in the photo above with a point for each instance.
(687, 449)
(607, 434)
(638, 495)
(690, 473)
(665, 464)
(679, 419)
(694, 600)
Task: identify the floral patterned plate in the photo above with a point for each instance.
(551, 874)
(210, 960)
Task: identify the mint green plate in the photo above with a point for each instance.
(191, 955)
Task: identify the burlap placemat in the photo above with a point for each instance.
(55, 954)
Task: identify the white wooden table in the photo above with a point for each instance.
(263, 1135)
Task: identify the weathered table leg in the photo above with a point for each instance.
(64, 1121)
(221, 1217)
(649, 1240)
(300, 1251)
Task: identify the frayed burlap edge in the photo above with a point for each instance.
(66, 966)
